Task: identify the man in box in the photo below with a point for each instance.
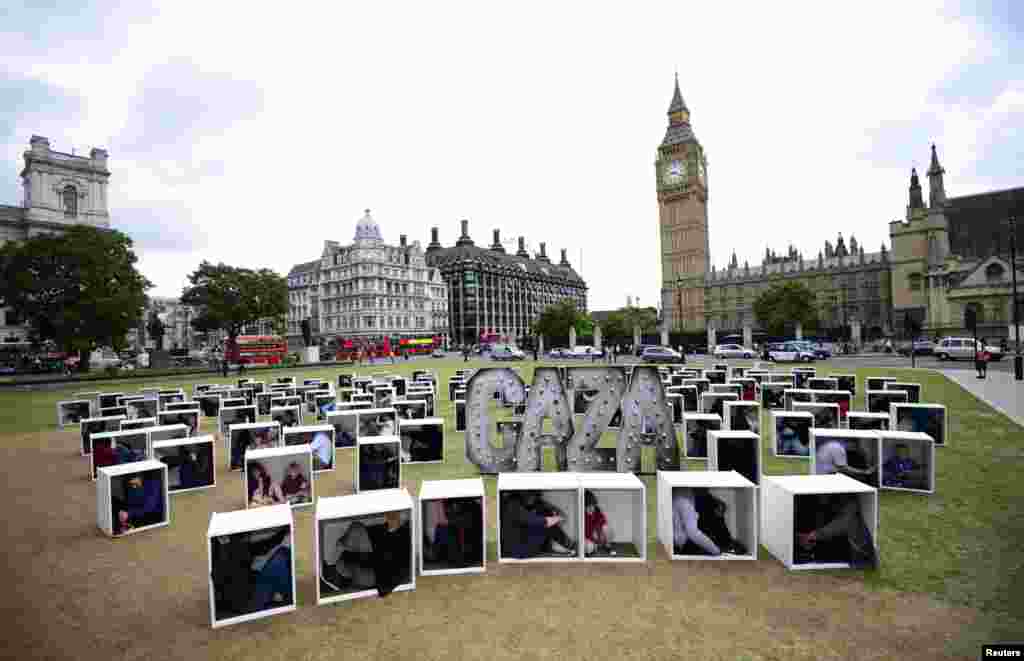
(457, 535)
(377, 556)
(830, 529)
(698, 525)
(251, 576)
(900, 470)
(530, 525)
(142, 504)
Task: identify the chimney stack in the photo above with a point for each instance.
(565, 260)
(464, 240)
(496, 246)
(543, 256)
(401, 240)
(522, 248)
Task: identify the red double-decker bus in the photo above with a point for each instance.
(257, 350)
(382, 347)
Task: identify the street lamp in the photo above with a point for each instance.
(1018, 360)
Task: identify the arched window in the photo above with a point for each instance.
(70, 197)
(994, 272)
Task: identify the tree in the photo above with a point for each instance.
(156, 330)
(619, 324)
(227, 298)
(80, 289)
(556, 320)
(783, 306)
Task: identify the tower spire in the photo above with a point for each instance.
(916, 199)
(936, 189)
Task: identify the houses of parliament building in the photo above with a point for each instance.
(946, 257)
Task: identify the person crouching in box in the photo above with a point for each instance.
(531, 526)
(142, 504)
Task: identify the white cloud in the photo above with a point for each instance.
(539, 119)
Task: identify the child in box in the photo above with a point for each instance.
(596, 532)
(900, 470)
(295, 485)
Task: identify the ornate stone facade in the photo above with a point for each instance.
(58, 190)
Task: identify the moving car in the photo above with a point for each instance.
(662, 355)
(506, 352)
(732, 351)
(963, 348)
(921, 348)
(790, 352)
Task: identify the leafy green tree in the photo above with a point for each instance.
(156, 330)
(556, 320)
(80, 290)
(780, 308)
(227, 298)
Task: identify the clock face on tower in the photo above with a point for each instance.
(675, 172)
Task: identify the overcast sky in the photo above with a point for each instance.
(249, 133)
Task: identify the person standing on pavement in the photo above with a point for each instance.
(981, 359)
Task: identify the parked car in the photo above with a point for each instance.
(963, 348)
(921, 348)
(583, 351)
(790, 352)
(644, 347)
(732, 351)
(819, 349)
(558, 352)
(655, 354)
(506, 352)
(104, 358)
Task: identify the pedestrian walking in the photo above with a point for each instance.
(982, 358)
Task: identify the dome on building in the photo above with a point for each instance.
(367, 229)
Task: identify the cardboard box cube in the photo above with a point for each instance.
(790, 434)
(255, 528)
(741, 509)
(561, 490)
(907, 461)
(928, 419)
(378, 463)
(354, 524)
(736, 450)
(191, 462)
(112, 485)
(789, 500)
(696, 427)
(422, 440)
(290, 471)
(622, 498)
(471, 501)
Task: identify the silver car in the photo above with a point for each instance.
(963, 348)
(732, 351)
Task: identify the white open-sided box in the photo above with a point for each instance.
(796, 445)
(378, 463)
(422, 440)
(201, 451)
(931, 419)
(308, 435)
(792, 395)
(741, 514)
(623, 499)
(335, 514)
(242, 437)
(91, 426)
(695, 428)
(913, 390)
(346, 427)
(248, 522)
(561, 490)
(853, 440)
(72, 412)
(432, 491)
(867, 420)
(826, 416)
(779, 500)
(110, 486)
(234, 415)
(921, 449)
(736, 450)
(880, 401)
(842, 398)
(741, 415)
(105, 448)
(773, 396)
(276, 461)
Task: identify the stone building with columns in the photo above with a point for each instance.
(493, 292)
(59, 190)
(367, 290)
(953, 255)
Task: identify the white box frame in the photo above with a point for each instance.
(104, 495)
(61, 423)
(250, 425)
(669, 480)
(811, 407)
(431, 490)
(194, 440)
(541, 482)
(313, 429)
(617, 482)
(422, 422)
(357, 460)
(916, 437)
(895, 408)
(773, 435)
(846, 435)
(715, 436)
(305, 456)
(887, 394)
(113, 435)
(694, 417)
(867, 415)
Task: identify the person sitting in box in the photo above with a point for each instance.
(831, 458)
(142, 504)
(378, 467)
(529, 525)
(791, 442)
(375, 556)
(597, 534)
(698, 525)
(900, 470)
(251, 576)
(295, 486)
(262, 489)
(322, 454)
(457, 532)
(830, 529)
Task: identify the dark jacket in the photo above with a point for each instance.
(147, 500)
(392, 559)
(522, 531)
(232, 568)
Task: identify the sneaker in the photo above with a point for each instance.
(561, 550)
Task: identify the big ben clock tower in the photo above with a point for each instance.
(682, 188)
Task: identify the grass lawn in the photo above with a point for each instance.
(951, 575)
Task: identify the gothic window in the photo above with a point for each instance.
(70, 200)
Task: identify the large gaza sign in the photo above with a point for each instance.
(646, 420)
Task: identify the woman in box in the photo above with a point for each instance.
(457, 525)
(142, 503)
(597, 534)
(262, 489)
(295, 486)
(530, 525)
(698, 524)
(251, 576)
(830, 529)
(375, 556)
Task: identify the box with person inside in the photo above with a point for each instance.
(801, 375)
(234, 415)
(276, 476)
(422, 440)
(451, 522)
(820, 521)
(538, 518)
(105, 400)
(320, 438)
(790, 433)
(741, 416)
(707, 515)
(90, 426)
(246, 436)
(878, 382)
(118, 447)
(378, 463)
(251, 564)
(773, 396)
(852, 452)
(190, 462)
(614, 507)
(695, 429)
(188, 418)
(822, 383)
(713, 402)
(736, 450)
(72, 412)
(880, 401)
(826, 416)
(867, 420)
(928, 419)
(908, 461)
(132, 497)
(286, 416)
(364, 545)
(913, 390)
(842, 398)
(137, 423)
(791, 395)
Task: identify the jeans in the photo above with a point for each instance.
(274, 578)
